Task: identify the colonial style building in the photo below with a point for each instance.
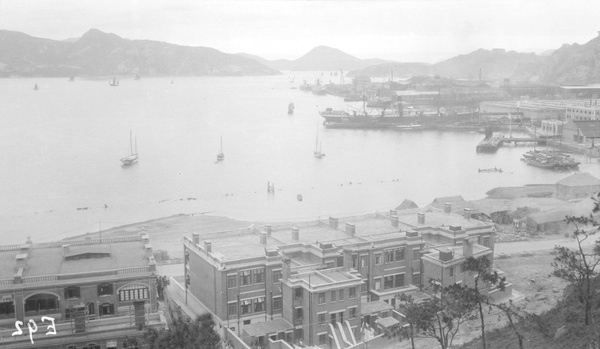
(80, 294)
(320, 282)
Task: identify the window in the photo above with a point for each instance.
(245, 306)
(231, 281)
(259, 276)
(245, 277)
(105, 290)
(333, 296)
(416, 279)
(451, 271)
(41, 302)
(7, 307)
(352, 292)
(72, 347)
(389, 256)
(322, 298)
(416, 255)
(363, 287)
(341, 295)
(72, 292)
(277, 275)
(106, 309)
(232, 309)
(277, 304)
(377, 283)
(247, 322)
(486, 241)
(378, 259)
(322, 318)
(399, 280)
(259, 304)
(298, 292)
(354, 261)
(133, 292)
(322, 338)
(399, 254)
(388, 282)
(462, 267)
(352, 313)
(363, 261)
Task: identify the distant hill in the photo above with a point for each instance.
(574, 64)
(400, 70)
(101, 54)
(496, 64)
(321, 58)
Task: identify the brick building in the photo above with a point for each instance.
(310, 282)
(97, 291)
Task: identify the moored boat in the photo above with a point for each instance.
(133, 157)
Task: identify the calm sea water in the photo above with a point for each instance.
(60, 148)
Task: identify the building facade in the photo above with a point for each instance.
(94, 292)
(308, 282)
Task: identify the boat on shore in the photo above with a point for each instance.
(490, 144)
(133, 157)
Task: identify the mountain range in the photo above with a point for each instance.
(102, 54)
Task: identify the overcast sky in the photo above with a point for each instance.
(403, 30)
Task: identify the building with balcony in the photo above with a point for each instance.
(319, 282)
(94, 292)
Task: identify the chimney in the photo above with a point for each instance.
(394, 220)
(333, 222)
(447, 207)
(263, 238)
(295, 233)
(286, 270)
(446, 255)
(421, 217)
(393, 212)
(145, 238)
(347, 258)
(467, 248)
(207, 246)
(66, 247)
(467, 213)
(350, 228)
(196, 238)
(148, 249)
(268, 229)
(21, 260)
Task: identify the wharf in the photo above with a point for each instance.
(491, 145)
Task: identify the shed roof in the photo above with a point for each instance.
(579, 179)
(374, 307)
(268, 327)
(590, 129)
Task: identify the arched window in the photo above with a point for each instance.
(7, 307)
(133, 292)
(42, 303)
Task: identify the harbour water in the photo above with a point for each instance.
(60, 173)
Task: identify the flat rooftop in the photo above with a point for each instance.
(50, 258)
(437, 218)
(325, 277)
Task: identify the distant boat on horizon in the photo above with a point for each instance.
(220, 155)
(291, 108)
(114, 82)
(133, 157)
(35, 88)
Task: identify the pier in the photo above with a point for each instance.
(491, 145)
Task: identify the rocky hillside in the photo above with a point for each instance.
(496, 64)
(574, 64)
(100, 54)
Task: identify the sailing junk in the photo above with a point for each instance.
(133, 157)
(317, 153)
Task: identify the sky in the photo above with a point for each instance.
(404, 30)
